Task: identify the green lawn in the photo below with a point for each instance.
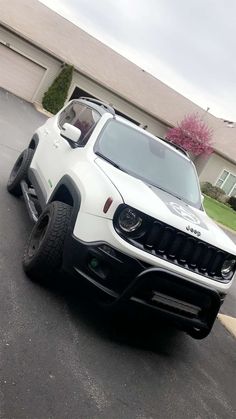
(220, 212)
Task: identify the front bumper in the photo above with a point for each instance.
(124, 279)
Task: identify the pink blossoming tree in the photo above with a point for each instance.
(192, 134)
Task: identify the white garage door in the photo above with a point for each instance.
(18, 74)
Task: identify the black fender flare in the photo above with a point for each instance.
(34, 142)
(68, 183)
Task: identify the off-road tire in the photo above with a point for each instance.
(42, 258)
(19, 172)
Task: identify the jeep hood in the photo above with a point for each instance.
(167, 208)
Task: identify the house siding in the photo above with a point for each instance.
(27, 50)
(214, 167)
(95, 89)
(53, 67)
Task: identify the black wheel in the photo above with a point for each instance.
(43, 253)
(19, 172)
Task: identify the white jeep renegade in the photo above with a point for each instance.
(122, 208)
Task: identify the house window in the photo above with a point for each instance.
(233, 193)
(222, 178)
(227, 182)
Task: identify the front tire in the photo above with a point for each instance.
(19, 172)
(43, 253)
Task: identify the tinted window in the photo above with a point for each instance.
(150, 160)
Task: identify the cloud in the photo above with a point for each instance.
(189, 45)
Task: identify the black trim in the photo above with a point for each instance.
(33, 213)
(124, 279)
(34, 142)
(67, 182)
(118, 267)
(38, 187)
(72, 144)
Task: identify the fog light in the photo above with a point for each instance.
(93, 264)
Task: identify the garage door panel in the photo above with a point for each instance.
(18, 74)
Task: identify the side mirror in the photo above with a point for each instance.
(70, 133)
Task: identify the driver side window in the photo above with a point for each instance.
(81, 116)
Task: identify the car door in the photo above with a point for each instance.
(55, 154)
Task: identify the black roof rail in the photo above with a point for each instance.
(105, 105)
(178, 147)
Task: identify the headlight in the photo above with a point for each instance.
(228, 268)
(129, 220)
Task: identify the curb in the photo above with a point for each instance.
(225, 227)
(40, 109)
(229, 323)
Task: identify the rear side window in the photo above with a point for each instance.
(81, 116)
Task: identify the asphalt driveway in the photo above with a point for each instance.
(61, 357)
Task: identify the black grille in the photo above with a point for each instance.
(182, 249)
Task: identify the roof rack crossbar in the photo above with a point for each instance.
(105, 105)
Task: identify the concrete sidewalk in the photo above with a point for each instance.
(229, 322)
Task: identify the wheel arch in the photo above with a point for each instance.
(34, 142)
(67, 191)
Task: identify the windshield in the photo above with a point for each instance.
(149, 160)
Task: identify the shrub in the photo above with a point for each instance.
(232, 202)
(56, 95)
(213, 191)
(224, 199)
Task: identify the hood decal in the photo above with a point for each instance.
(178, 207)
(184, 212)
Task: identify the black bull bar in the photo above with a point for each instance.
(192, 307)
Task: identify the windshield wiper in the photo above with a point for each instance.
(109, 161)
(165, 190)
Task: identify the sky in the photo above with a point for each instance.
(188, 44)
